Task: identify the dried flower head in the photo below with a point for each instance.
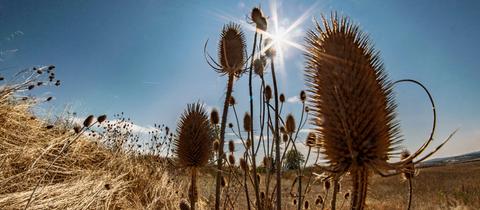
(290, 124)
(247, 126)
(303, 96)
(101, 118)
(216, 145)
(88, 121)
(282, 98)
(311, 139)
(259, 65)
(193, 145)
(306, 205)
(214, 117)
(352, 102)
(231, 50)
(77, 129)
(231, 146)
(270, 51)
(231, 159)
(230, 125)
(268, 93)
(285, 137)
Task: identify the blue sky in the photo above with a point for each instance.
(145, 57)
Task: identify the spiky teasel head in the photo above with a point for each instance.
(247, 124)
(311, 139)
(231, 50)
(193, 144)
(351, 97)
(214, 118)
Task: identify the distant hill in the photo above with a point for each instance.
(469, 157)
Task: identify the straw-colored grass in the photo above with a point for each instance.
(86, 176)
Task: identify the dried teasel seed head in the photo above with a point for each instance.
(311, 139)
(283, 130)
(258, 18)
(231, 159)
(259, 66)
(216, 144)
(294, 201)
(193, 144)
(214, 117)
(248, 143)
(303, 96)
(49, 126)
(88, 121)
(290, 124)
(101, 118)
(243, 164)
(306, 205)
(184, 206)
(338, 54)
(247, 126)
(262, 195)
(285, 137)
(231, 50)
(231, 146)
(307, 109)
(270, 51)
(282, 98)
(268, 93)
(77, 129)
(30, 87)
(232, 101)
(230, 125)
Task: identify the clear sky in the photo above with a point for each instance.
(145, 57)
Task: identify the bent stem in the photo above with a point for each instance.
(278, 163)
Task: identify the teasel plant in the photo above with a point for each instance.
(193, 144)
(231, 62)
(353, 108)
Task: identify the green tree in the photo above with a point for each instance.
(293, 160)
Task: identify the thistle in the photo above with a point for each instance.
(193, 146)
(352, 104)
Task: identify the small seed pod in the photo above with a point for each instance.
(214, 118)
(57, 83)
(101, 118)
(88, 121)
(49, 126)
(262, 195)
(216, 144)
(303, 96)
(282, 98)
(247, 126)
(230, 125)
(243, 164)
(30, 87)
(268, 93)
(232, 101)
(231, 146)
(294, 201)
(290, 124)
(39, 83)
(108, 186)
(231, 159)
(49, 98)
(2, 78)
(307, 109)
(306, 205)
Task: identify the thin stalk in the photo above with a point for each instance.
(254, 164)
(193, 189)
(222, 141)
(336, 188)
(277, 140)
